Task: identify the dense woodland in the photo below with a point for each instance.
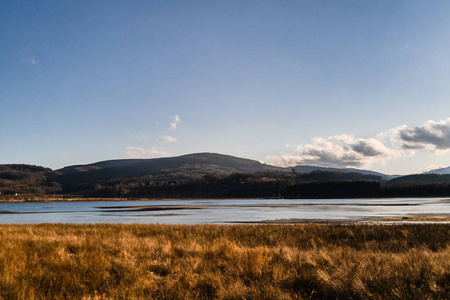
(27, 180)
(32, 182)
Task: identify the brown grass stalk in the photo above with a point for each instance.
(65, 261)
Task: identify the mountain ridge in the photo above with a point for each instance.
(156, 164)
(440, 171)
(299, 168)
(308, 169)
(201, 175)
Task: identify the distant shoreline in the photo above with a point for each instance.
(103, 199)
(75, 199)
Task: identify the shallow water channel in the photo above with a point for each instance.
(222, 211)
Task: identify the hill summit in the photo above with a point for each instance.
(184, 166)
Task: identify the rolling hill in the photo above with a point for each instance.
(170, 168)
(190, 166)
(198, 164)
(20, 179)
(199, 175)
(309, 169)
(441, 171)
(421, 179)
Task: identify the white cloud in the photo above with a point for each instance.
(432, 136)
(338, 151)
(175, 122)
(285, 160)
(137, 152)
(166, 139)
(348, 151)
(28, 60)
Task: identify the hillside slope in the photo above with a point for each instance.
(170, 168)
(309, 169)
(24, 180)
(440, 171)
(421, 179)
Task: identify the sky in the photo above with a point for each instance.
(360, 84)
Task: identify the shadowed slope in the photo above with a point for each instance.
(181, 167)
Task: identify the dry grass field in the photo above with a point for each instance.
(224, 262)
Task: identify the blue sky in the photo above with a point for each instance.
(334, 83)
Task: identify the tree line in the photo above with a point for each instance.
(27, 181)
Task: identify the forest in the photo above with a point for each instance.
(32, 183)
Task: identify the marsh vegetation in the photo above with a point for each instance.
(224, 262)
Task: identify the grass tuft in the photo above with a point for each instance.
(112, 261)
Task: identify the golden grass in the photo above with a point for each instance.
(65, 261)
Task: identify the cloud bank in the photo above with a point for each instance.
(338, 151)
(137, 152)
(433, 136)
(348, 151)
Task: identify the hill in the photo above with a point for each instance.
(309, 169)
(421, 179)
(210, 175)
(334, 176)
(187, 176)
(185, 167)
(441, 171)
(195, 166)
(20, 180)
(194, 175)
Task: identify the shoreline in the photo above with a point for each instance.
(75, 199)
(440, 218)
(102, 199)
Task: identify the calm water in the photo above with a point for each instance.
(218, 211)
